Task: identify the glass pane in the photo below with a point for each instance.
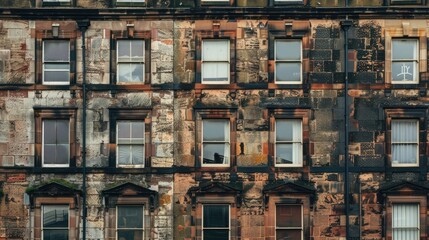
(130, 216)
(128, 72)
(290, 72)
(288, 50)
(216, 234)
(406, 234)
(215, 50)
(288, 216)
(137, 154)
(55, 216)
(56, 67)
(288, 234)
(137, 130)
(49, 153)
(137, 50)
(124, 130)
(62, 131)
(406, 221)
(130, 234)
(215, 71)
(56, 51)
(124, 50)
(62, 153)
(216, 130)
(124, 154)
(57, 76)
(49, 131)
(288, 130)
(404, 131)
(216, 216)
(404, 71)
(215, 153)
(57, 234)
(404, 49)
(404, 153)
(284, 154)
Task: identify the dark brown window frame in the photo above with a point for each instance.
(130, 34)
(41, 114)
(418, 114)
(119, 114)
(290, 113)
(226, 113)
(46, 35)
(216, 33)
(289, 30)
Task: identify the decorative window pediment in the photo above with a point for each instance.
(119, 194)
(216, 189)
(53, 189)
(289, 188)
(404, 188)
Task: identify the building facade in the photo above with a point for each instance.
(213, 119)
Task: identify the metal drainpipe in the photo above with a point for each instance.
(345, 25)
(83, 26)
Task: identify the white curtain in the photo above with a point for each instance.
(406, 222)
(404, 141)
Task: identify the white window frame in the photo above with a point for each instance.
(43, 144)
(229, 221)
(290, 228)
(130, 61)
(56, 0)
(405, 1)
(43, 215)
(297, 162)
(60, 62)
(130, 143)
(287, 61)
(400, 227)
(117, 229)
(228, 59)
(397, 163)
(415, 61)
(209, 142)
(289, 1)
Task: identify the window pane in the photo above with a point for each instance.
(217, 234)
(288, 216)
(130, 216)
(137, 130)
(137, 50)
(56, 67)
(56, 76)
(404, 131)
(49, 153)
(404, 49)
(406, 221)
(57, 234)
(215, 71)
(215, 50)
(216, 130)
(404, 71)
(216, 216)
(124, 50)
(124, 154)
(62, 131)
(404, 153)
(288, 234)
(288, 50)
(288, 72)
(49, 131)
(215, 153)
(62, 154)
(289, 153)
(56, 51)
(137, 154)
(130, 234)
(55, 216)
(288, 130)
(130, 72)
(124, 130)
